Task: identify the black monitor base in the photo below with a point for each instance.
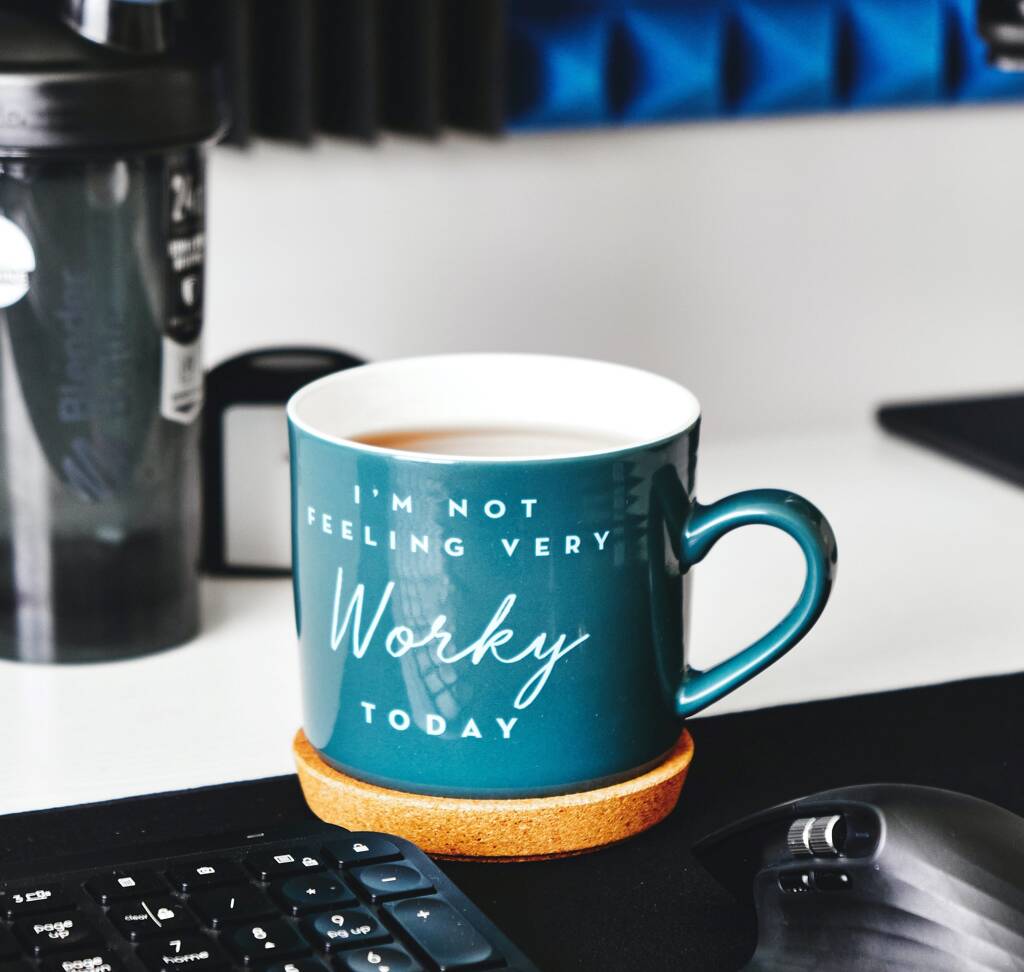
(987, 433)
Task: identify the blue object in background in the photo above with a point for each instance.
(558, 76)
(671, 61)
(893, 52)
(578, 63)
(783, 56)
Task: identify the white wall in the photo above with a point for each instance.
(793, 272)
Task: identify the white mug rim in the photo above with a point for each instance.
(619, 415)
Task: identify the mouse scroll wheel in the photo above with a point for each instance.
(816, 836)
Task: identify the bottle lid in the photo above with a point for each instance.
(139, 26)
(61, 94)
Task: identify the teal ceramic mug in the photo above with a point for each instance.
(512, 625)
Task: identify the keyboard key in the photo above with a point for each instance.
(188, 951)
(376, 959)
(19, 902)
(14, 965)
(313, 892)
(226, 906)
(59, 932)
(8, 946)
(361, 850)
(158, 915)
(263, 942)
(299, 965)
(205, 874)
(442, 932)
(270, 865)
(124, 884)
(94, 960)
(382, 882)
(343, 928)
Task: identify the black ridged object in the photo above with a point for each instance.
(348, 52)
(284, 77)
(1001, 23)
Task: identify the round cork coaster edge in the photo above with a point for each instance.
(498, 830)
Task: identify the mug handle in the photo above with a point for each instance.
(704, 527)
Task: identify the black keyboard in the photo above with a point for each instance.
(317, 899)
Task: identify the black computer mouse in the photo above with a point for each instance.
(881, 877)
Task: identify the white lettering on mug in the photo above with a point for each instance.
(494, 509)
(506, 726)
(375, 535)
(399, 719)
(354, 614)
(435, 724)
(401, 639)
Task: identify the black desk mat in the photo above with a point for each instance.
(644, 905)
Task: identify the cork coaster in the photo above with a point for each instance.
(496, 830)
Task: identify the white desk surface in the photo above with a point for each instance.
(929, 590)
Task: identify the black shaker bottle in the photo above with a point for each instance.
(101, 293)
